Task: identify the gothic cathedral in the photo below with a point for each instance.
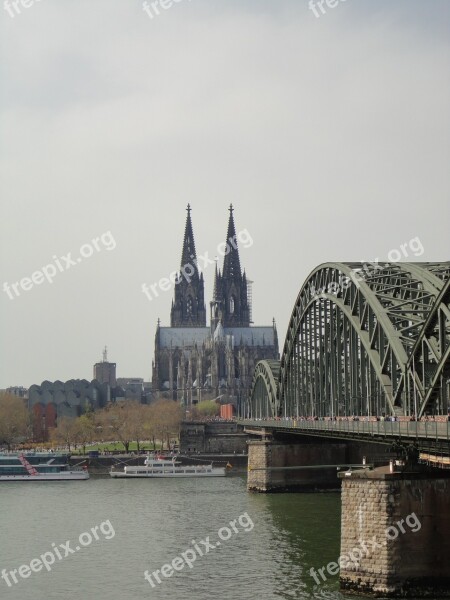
(194, 362)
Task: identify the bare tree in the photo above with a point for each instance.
(140, 417)
(65, 432)
(14, 420)
(117, 422)
(165, 418)
(84, 430)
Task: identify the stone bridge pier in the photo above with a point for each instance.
(271, 465)
(395, 538)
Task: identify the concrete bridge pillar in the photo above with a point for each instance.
(395, 538)
(271, 465)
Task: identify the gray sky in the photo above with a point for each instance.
(330, 136)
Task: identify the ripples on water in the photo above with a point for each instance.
(154, 521)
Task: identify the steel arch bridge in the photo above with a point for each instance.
(264, 391)
(363, 339)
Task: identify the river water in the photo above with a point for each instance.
(265, 553)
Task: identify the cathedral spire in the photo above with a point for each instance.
(188, 255)
(188, 308)
(231, 293)
(231, 262)
(216, 282)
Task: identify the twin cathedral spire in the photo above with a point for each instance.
(230, 305)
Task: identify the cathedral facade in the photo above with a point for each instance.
(194, 361)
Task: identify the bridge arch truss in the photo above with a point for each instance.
(364, 339)
(264, 396)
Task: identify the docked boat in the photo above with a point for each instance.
(39, 466)
(158, 466)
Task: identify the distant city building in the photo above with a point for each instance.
(105, 371)
(193, 361)
(129, 388)
(17, 390)
(53, 400)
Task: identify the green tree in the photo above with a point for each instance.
(207, 408)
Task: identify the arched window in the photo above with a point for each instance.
(231, 305)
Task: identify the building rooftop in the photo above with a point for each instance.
(188, 336)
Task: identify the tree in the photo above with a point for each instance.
(165, 416)
(14, 420)
(118, 422)
(139, 419)
(66, 431)
(207, 408)
(84, 430)
(150, 426)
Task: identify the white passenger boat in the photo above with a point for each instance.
(39, 466)
(162, 466)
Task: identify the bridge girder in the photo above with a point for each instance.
(428, 369)
(365, 339)
(264, 397)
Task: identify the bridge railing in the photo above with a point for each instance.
(429, 430)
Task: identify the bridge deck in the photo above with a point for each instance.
(433, 432)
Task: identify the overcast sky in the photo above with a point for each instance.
(330, 135)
